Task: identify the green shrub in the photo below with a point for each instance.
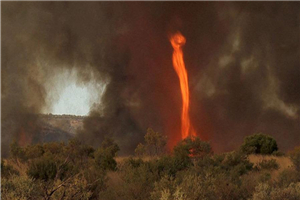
(295, 157)
(76, 189)
(104, 159)
(266, 192)
(188, 150)
(34, 151)
(17, 152)
(7, 170)
(167, 189)
(262, 192)
(259, 144)
(75, 151)
(181, 155)
(137, 182)
(215, 182)
(199, 186)
(94, 182)
(288, 176)
(19, 187)
(248, 183)
(43, 168)
(210, 161)
(155, 144)
(53, 147)
(104, 156)
(192, 147)
(110, 146)
(292, 192)
(237, 163)
(168, 165)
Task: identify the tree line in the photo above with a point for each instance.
(191, 171)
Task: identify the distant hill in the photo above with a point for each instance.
(58, 127)
(67, 123)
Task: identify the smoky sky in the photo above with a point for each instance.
(242, 60)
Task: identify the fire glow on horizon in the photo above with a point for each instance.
(177, 41)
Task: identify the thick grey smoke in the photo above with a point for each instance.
(242, 60)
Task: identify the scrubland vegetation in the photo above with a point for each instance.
(255, 171)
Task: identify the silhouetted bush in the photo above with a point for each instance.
(188, 150)
(140, 150)
(104, 156)
(110, 146)
(259, 144)
(105, 160)
(155, 144)
(192, 147)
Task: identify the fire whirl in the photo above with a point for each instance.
(177, 41)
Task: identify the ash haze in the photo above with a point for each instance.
(242, 60)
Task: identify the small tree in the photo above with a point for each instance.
(140, 150)
(104, 156)
(111, 146)
(104, 159)
(192, 147)
(259, 144)
(155, 144)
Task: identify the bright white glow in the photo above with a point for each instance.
(66, 94)
(74, 100)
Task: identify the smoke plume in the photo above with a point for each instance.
(242, 60)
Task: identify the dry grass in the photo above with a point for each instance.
(144, 158)
(283, 162)
(114, 179)
(19, 166)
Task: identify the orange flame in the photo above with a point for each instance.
(177, 41)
